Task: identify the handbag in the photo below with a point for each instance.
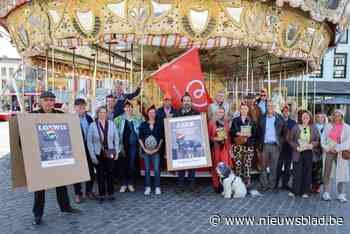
(346, 154)
(105, 152)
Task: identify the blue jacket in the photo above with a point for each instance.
(262, 127)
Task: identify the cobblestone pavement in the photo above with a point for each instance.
(167, 213)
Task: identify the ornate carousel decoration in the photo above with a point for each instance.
(288, 32)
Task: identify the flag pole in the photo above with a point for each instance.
(142, 78)
(53, 69)
(269, 75)
(247, 75)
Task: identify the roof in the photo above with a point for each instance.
(341, 101)
(322, 87)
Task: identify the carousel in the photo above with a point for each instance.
(80, 48)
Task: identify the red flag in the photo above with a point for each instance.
(184, 74)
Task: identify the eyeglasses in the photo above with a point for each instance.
(48, 99)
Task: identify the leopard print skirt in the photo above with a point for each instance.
(243, 156)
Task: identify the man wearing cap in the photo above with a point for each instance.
(285, 158)
(47, 103)
(166, 111)
(218, 102)
(121, 97)
(85, 121)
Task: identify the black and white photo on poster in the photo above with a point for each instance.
(54, 144)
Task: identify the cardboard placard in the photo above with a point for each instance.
(17, 162)
(187, 143)
(51, 151)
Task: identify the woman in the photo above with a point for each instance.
(151, 140)
(304, 140)
(128, 129)
(321, 120)
(243, 131)
(219, 135)
(103, 146)
(335, 139)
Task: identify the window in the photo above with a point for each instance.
(339, 71)
(317, 74)
(344, 37)
(3, 71)
(11, 71)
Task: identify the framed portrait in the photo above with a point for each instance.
(187, 142)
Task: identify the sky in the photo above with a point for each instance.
(6, 49)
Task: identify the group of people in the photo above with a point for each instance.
(254, 136)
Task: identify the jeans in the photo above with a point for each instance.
(127, 165)
(156, 168)
(191, 177)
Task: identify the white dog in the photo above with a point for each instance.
(231, 183)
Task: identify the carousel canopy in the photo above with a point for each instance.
(286, 32)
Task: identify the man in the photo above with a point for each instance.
(85, 121)
(47, 103)
(269, 139)
(166, 111)
(261, 102)
(219, 102)
(121, 97)
(186, 110)
(110, 103)
(285, 158)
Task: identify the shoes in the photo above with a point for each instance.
(101, 198)
(123, 189)
(91, 196)
(147, 191)
(291, 194)
(37, 221)
(180, 189)
(305, 196)
(71, 210)
(326, 196)
(78, 199)
(342, 198)
(158, 191)
(194, 189)
(131, 188)
(286, 187)
(110, 197)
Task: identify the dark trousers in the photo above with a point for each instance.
(39, 200)
(302, 172)
(284, 160)
(88, 184)
(105, 168)
(127, 165)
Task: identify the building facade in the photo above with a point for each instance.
(8, 67)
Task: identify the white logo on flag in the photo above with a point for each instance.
(197, 93)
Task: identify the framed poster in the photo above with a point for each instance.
(187, 142)
(47, 151)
